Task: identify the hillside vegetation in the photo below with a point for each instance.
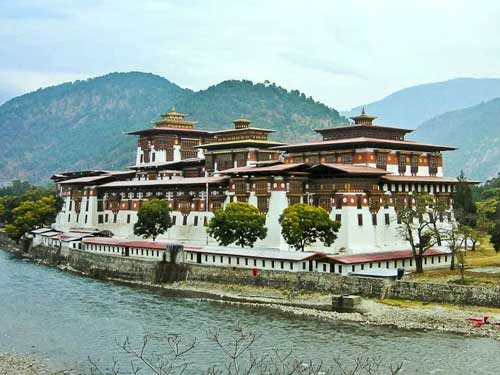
(80, 125)
(410, 107)
(475, 131)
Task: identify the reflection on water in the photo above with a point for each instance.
(66, 318)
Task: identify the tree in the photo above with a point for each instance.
(472, 234)
(30, 215)
(417, 228)
(239, 223)
(463, 202)
(302, 225)
(455, 237)
(495, 236)
(153, 219)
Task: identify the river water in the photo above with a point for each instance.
(65, 318)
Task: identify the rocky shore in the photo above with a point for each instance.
(17, 364)
(407, 315)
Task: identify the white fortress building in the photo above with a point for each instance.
(359, 173)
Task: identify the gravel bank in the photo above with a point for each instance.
(412, 316)
(18, 364)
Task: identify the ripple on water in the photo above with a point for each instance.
(67, 318)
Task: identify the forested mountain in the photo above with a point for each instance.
(412, 106)
(80, 125)
(475, 131)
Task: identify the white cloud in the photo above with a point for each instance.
(343, 53)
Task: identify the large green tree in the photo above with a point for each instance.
(494, 232)
(30, 215)
(417, 226)
(239, 223)
(302, 225)
(153, 219)
(464, 207)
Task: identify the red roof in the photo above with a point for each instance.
(102, 241)
(167, 130)
(353, 126)
(145, 244)
(378, 257)
(170, 182)
(350, 142)
(424, 179)
(272, 168)
(353, 169)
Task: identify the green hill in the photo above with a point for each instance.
(475, 131)
(412, 106)
(80, 125)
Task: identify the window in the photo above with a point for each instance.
(362, 267)
(374, 219)
(332, 267)
(381, 160)
(360, 219)
(353, 268)
(229, 260)
(303, 265)
(222, 259)
(414, 164)
(85, 219)
(272, 264)
(371, 265)
(263, 263)
(213, 259)
(87, 205)
(174, 219)
(246, 261)
(184, 220)
(114, 218)
(338, 218)
(386, 264)
(387, 219)
(291, 266)
(106, 218)
(282, 265)
(346, 158)
(196, 221)
(128, 219)
(324, 267)
(358, 201)
(401, 164)
(340, 269)
(69, 218)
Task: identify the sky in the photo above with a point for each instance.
(343, 53)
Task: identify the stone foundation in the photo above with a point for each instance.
(154, 272)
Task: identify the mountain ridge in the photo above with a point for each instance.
(475, 131)
(80, 125)
(411, 106)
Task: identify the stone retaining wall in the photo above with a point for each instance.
(367, 287)
(125, 268)
(293, 281)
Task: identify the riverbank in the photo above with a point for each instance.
(400, 314)
(26, 364)
(306, 295)
(396, 313)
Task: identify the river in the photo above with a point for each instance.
(65, 318)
